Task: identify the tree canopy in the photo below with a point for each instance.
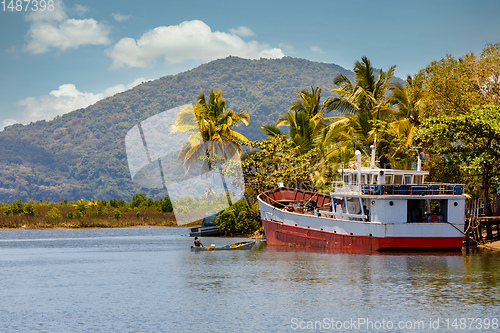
(453, 86)
(471, 140)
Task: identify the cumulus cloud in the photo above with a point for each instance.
(242, 31)
(120, 18)
(190, 40)
(65, 99)
(54, 29)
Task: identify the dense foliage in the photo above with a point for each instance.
(276, 160)
(454, 85)
(470, 141)
(239, 219)
(446, 114)
(82, 154)
(82, 213)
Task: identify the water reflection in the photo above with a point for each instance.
(149, 280)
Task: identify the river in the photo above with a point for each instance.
(148, 280)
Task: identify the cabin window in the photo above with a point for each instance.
(418, 179)
(398, 179)
(420, 210)
(415, 211)
(407, 179)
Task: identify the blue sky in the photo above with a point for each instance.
(53, 62)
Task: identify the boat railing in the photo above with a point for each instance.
(343, 216)
(405, 189)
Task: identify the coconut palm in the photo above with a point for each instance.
(213, 138)
(211, 125)
(363, 106)
(271, 130)
(407, 100)
(305, 118)
(309, 102)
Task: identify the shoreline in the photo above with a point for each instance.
(253, 236)
(71, 228)
(494, 246)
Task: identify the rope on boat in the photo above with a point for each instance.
(462, 232)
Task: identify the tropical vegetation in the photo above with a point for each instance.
(141, 211)
(82, 154)
(446, 115)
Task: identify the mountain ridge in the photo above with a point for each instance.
(81, 154)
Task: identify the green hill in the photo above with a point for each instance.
(82, 154)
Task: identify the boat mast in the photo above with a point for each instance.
(373, 148)
(358, 156)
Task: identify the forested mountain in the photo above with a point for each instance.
(82, 154)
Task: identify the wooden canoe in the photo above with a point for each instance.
(235, 246)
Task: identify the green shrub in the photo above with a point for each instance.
(139, 200)
(29, 210)
(165, 205)
(16, 208)
(19, 208)
(239, 219)
(54, 212)
(117, 214)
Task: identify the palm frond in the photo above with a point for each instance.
(271, 130)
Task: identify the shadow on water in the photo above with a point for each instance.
(149, 280)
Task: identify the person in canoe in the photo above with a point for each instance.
(197, 242)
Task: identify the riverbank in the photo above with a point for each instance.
(491, 246)
(127, 218)
(107, 218)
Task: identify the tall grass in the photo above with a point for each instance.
(149, 217)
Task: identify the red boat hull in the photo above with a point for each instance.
(287, 235)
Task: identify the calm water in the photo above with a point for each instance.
(147, 280)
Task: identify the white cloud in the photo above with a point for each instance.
(65, 99)
(242, 31)
(317, 49)
(190, 40)
(120, 18)
(54, 29)
(8, 122)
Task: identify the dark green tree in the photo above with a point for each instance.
(471, 140)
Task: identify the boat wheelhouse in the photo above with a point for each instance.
(370, 209)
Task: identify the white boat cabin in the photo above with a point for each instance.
(395, 196)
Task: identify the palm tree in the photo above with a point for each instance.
(363, 106)
(305, 118)
(271, 130)
(213, 138)
(407, 99)
(309, 102)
